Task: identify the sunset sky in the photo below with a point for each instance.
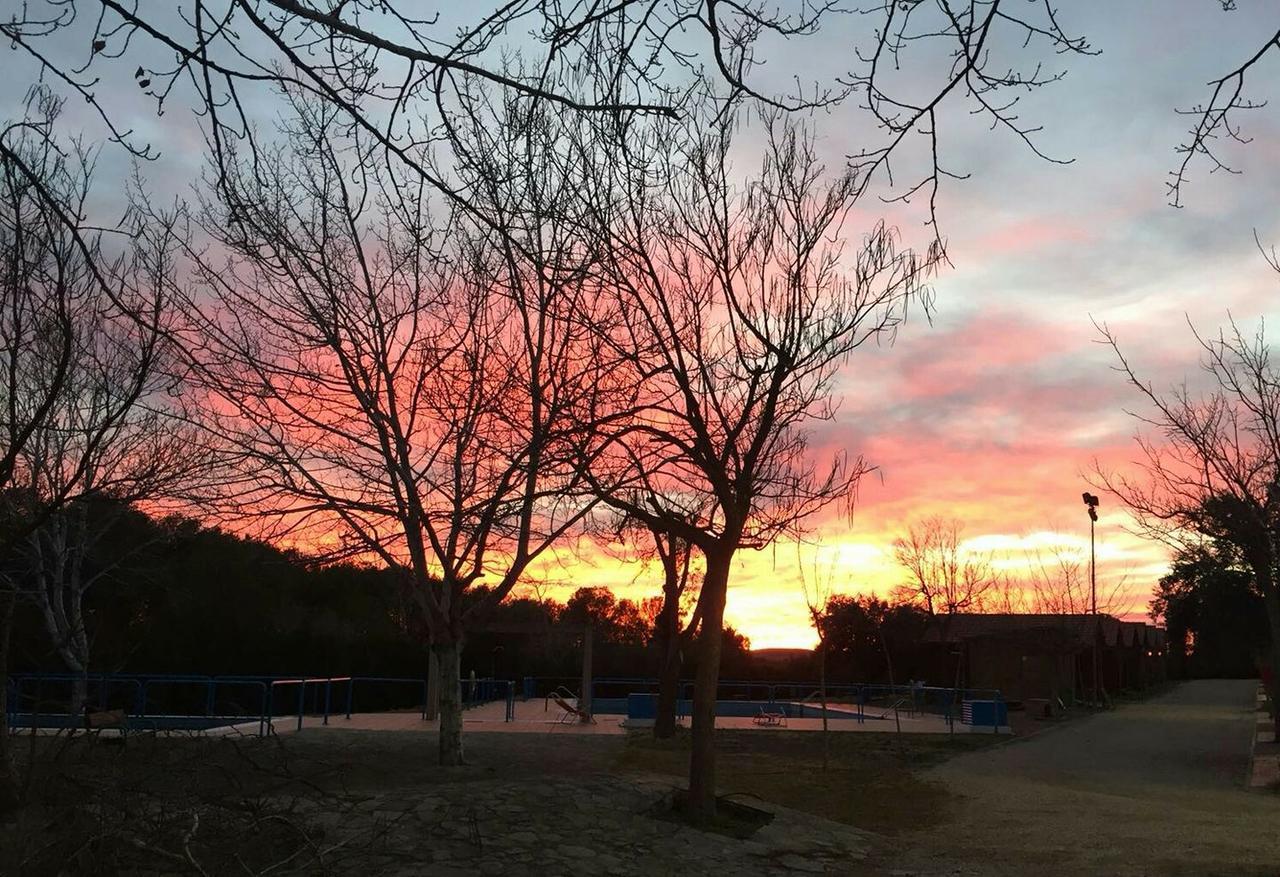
(995, 410)
(995, 413)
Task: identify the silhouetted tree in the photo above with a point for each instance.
(864, 632)
(85, 396)
(398, 378)
(397, 76)
(943, 577)
(612, 620)
(1215, 618)
(734, 306)
(1057, 582)
(1213, 468)
(113, 437)
(674, 627)
(1215, 122)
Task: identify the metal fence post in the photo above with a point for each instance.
(351, 690)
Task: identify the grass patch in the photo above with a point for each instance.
(871, 781)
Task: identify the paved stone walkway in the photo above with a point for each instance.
(593, 825)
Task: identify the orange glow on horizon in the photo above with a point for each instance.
(766, 597)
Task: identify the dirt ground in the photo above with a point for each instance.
(343, 802)
(1152, 788)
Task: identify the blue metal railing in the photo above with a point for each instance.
(168, 701)
(196, 702)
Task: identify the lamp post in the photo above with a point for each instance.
(1091, 503)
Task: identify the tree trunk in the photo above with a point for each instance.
(9, 784)
(702, 763)
(664, 722)
(449, 668)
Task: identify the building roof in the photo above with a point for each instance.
(1077, 629)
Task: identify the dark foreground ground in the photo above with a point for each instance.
(1151, 788)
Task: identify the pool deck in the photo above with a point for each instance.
(532, 717)
(537, 716)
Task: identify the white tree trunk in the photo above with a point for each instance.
(449, 670)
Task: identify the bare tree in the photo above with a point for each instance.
(1009, 595)
(396, 75)
(943, 576)
(85, 392)
(979, 72)
(1215, 122)
(1057, 582)
(399, 378)
(38, 341)
(112, 437)
(108, 452)
(387, 71)
(735, 305)
(1211, 461)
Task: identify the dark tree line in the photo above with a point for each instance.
(1214, 614)
(184, 598)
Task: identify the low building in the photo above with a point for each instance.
(1045, 657)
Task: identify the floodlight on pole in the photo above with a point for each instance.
(1091, 502)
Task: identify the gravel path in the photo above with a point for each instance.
(1195, 737)
(1151, 788)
